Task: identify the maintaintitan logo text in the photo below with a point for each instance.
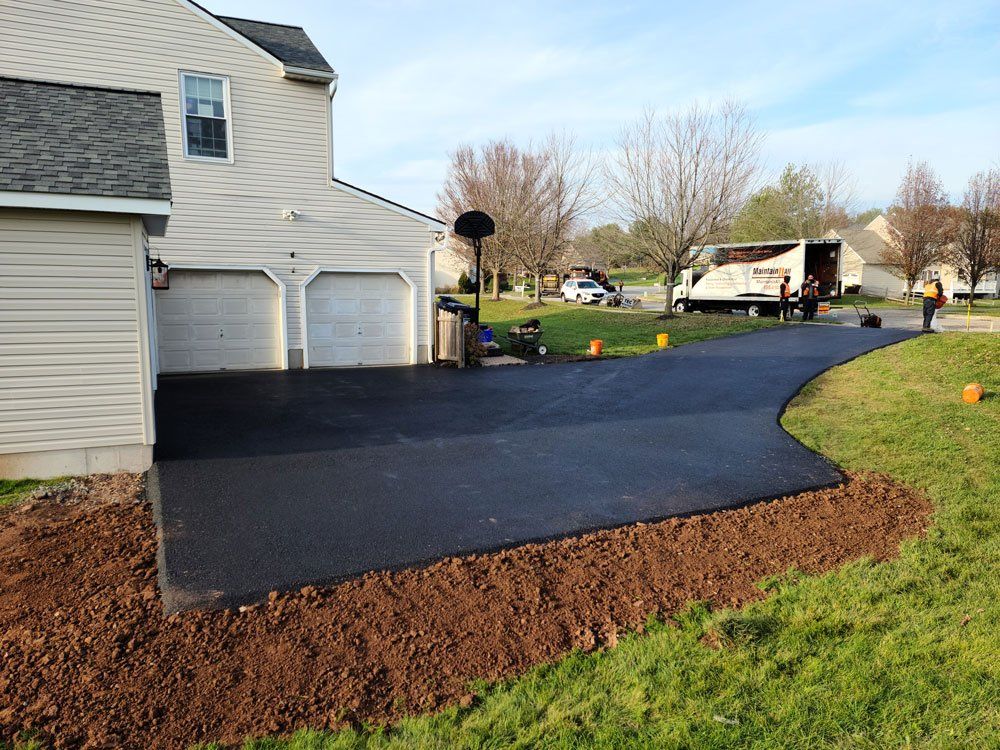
(761, 272)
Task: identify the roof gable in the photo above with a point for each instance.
(290, 44)
(288, 47)
(867, 243)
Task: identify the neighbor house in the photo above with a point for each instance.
(864, 265)
(863, 262)
(274, 262)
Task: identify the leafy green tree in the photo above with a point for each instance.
(793, 208)
(866, 217)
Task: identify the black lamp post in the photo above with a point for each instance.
(476, 226)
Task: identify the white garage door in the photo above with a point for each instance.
(358, 319)
(218, 320)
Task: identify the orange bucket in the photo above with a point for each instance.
(662, 340)
(596, 347)
(972, 393)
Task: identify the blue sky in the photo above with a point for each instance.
(868, 83)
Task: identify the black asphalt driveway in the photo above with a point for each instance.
(271, 480)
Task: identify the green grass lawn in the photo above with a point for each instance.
(901, 654)
(990, 307)
(15, 490)
(980, 307)
(568, 328)
(636, 276)
(848, 300)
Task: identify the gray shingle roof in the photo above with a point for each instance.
(290, 44)
(81, 140)
(865, 242)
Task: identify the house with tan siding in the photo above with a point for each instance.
(273, 261)
(865, 267)
(78, 208)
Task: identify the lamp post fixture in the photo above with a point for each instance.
(476, 226)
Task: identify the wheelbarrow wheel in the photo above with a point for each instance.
(543, 350)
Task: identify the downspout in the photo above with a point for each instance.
(332, 90)
(437, 238)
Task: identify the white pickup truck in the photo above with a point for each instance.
(746, 276)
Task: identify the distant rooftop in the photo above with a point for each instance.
(867, 243)
(82, 140)
(290, 44)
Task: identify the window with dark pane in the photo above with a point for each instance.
(205, 117)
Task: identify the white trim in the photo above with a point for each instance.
(414, 297)
(282, 294)
(431, 309)
(434, 224)
(145, 335)
(230, 31)
(72, 202)
(230, 157)
(307, 74)
(153, 211)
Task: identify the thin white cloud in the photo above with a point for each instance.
(868, 82)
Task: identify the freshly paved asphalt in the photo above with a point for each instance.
(272, 480)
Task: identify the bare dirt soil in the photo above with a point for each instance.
(88, 660)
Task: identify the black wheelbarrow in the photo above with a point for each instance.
(525, 338)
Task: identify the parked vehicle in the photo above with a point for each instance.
(582, 291)
(550, 285)
(747, 276)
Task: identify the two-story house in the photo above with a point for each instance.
(865, 267)
(274, 263)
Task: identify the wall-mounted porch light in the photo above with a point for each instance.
(160, 273)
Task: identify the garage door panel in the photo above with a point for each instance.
(205, 307)
(218, 320)
(358, 319)
(395, 307)
(319, 305)
(235, 306)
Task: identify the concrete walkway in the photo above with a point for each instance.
(272, 480)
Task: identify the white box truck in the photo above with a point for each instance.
(746, 276)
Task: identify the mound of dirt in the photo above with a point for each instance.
(90, 661)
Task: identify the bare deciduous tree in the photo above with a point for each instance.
(679, 180)
(489, 180)
(839, 188)
(559, 182)
(975, 252)
(921, 224)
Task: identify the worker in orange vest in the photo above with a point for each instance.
(808, 293)
(932, 290)
(784, 301)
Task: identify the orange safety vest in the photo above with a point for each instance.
(786, 290)
(808, 290)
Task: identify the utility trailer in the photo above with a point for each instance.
(747, 276)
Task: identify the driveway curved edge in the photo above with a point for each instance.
(274, 480)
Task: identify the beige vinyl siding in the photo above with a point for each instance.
(72, 371)
(225, 214)
(876, 279)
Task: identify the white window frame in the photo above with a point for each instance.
(227, 103)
